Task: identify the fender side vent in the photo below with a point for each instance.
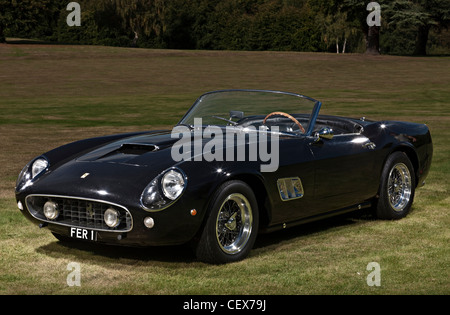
(290, 188)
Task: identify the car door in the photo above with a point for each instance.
(291, 186)
(344, 171)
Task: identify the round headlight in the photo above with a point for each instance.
(39, 165)
(23, 178)
(111, 217)
(164, 190)
(151, 198)
(172, 184)
(51, 210)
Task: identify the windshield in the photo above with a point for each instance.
(250, 107)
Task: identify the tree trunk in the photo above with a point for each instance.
(373, 40)
(337, 45)
(2, 36)
(135, 39)
(421, 40)
(345, 44)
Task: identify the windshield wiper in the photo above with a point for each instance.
(227, 120)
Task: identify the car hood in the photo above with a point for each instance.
(142, 150)
(155, 149)
(119, 170)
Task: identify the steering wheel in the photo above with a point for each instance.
(288, 116)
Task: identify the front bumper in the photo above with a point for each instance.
(172, 226)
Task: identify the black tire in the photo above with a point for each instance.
(231, 226)
(397, 187)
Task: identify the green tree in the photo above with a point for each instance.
(30, 17)
(143, 18)
(6, 17)
(420, 16)
(337, 29)
(357, 11)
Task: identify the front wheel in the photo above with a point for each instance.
(397, 187)
(232, 225)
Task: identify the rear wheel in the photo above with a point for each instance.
(231, 228)
(397, 187)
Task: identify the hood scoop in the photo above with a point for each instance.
(126, 152)
(134, 149)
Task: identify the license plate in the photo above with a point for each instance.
(83, 234)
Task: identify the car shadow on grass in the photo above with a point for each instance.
(102, 253)
(83, 250)
(268, 241)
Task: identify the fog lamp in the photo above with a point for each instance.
(51, 210)
(111, 217)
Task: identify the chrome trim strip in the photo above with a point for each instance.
(155, 147)
(348, 134)
(79, 198)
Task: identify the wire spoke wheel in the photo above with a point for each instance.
(234, 223)
(399, 187)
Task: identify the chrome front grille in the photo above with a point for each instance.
(79, 212)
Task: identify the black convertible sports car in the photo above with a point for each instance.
(239, 162)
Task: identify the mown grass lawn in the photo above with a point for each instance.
(50, 95)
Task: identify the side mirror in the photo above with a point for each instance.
(236, 114)
(324, 133)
